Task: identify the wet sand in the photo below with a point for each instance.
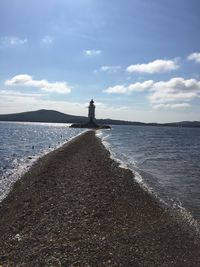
(76, 207)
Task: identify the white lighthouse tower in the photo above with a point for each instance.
(91, 123)
(91, 110)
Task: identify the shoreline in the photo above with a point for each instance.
(77, 207)
(18, 172)
(177, 210)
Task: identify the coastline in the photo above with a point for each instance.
(76, 207)
(15, 172)
(179, 212)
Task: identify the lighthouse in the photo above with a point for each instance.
(91, 123)
(91, 110)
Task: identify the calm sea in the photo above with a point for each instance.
(166, 160)
(21, 144)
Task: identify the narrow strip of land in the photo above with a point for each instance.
(76, 207)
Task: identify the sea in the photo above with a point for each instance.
(165, 160)
(23, 143)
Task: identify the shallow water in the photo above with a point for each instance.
(167, 160)
(22, 143)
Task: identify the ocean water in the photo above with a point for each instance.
(21, 144)
(166, 161)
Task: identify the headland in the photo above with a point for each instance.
(76, 207)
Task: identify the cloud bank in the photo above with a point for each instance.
(27, 80)
(175, 93)
(176, 89)
(134, 87)
(156, 66)
(172, 106)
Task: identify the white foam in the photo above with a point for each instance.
(121, 163)
(186, 216)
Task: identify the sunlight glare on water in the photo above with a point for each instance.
(22, 143)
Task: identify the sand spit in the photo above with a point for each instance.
(76, 207)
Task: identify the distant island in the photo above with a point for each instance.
(53, 116)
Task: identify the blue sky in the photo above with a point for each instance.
(138, 59)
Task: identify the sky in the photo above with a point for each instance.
(138, 59)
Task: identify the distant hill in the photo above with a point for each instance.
(44, 115)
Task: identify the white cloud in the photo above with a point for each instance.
(12, 41)
(110, 68)
(135, 87)
(11, 102)
(140, 86)
(194, 57)
(47, 40)
(19, 94)
(172, 106)
(155, 66)
(163, 94)
(92, 52)
(165, 97)
(27, 80)
(176, 89)
(117, 89)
